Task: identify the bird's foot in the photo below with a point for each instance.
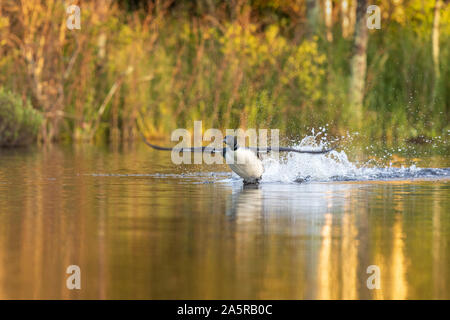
(252, 182)
(302, 179)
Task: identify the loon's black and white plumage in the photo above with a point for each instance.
(245, 162)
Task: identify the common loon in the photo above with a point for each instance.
(245, 162)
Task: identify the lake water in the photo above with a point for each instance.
(140, 227)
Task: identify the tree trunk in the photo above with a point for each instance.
(345, 19)
(435, 45)
(312, 15)
(352, 17)
(359, 61)
(329, 19)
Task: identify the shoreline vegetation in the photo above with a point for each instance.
(160, 65)
(19, 122)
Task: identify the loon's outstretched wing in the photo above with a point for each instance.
(288, 149)
(190, 149)
(223, 150)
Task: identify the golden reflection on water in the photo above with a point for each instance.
(152, 236)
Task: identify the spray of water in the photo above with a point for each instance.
(335, 166)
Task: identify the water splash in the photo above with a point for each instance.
(335, 166)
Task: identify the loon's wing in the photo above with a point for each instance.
(191, 149)
(287, 149)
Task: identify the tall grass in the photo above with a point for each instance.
(164, 65)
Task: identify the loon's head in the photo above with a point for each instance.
(231, 141)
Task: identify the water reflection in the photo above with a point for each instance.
(139, 235)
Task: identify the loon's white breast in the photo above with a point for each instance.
(245, 163)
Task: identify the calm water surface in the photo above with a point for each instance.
(140, 227)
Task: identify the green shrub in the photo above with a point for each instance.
(19, 122)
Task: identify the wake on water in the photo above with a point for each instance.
(335, 166)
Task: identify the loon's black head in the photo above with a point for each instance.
(231, 141)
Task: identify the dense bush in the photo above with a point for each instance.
(19, 122)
